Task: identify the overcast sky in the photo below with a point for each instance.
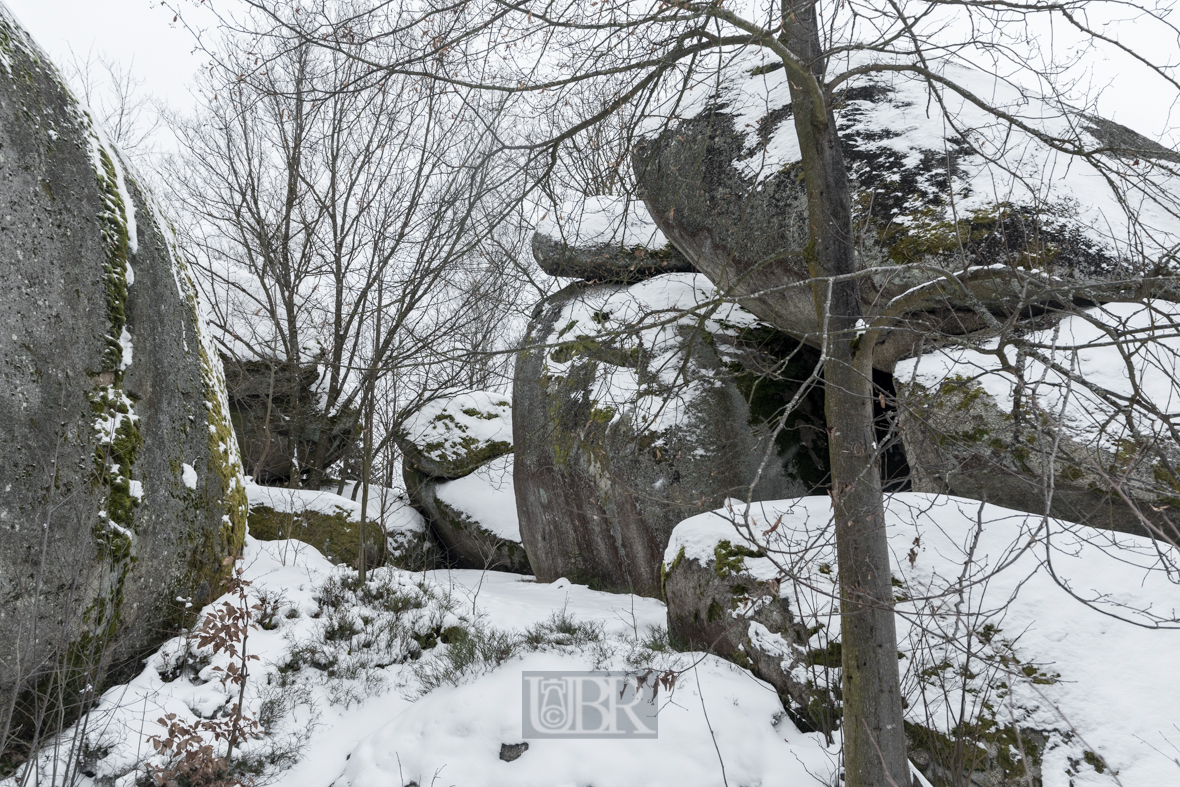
(140, 34)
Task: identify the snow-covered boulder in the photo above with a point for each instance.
(122, 490)
(458, 473)
(716, 605)
(451, 437)
(1024, 642)
(1010, 216)
(474, 517)
(395, 534)
(1062, 427)
(632, 409)
(604, 239)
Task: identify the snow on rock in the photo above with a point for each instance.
(331, 521)
(602, 221)
(646, 319)
(487, 496)
(1085, 677)
(604, 239)
(889, 118)
(474, 517)
(632, 406)
(1129, 352)
(385, 505)
(449, 438)
(1009, 217)
(1098, 394)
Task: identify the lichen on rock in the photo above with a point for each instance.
(103, 401)
(632, 409)
(453, 436)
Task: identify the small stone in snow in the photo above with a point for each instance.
(512, 751)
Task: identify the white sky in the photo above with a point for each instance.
(140, 34)
(137, 33)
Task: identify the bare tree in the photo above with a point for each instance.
(338, 216)
(110, 90)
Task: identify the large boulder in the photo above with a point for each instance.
(1075, 426)
(450, 437)
(474, 517)
(636, 406)
(395, 533)
(273, 405)
(457, 467)
(959, 227)
(719, 605)
(604, 239)
(122, 490)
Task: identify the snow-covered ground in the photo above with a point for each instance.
(416, 677)
(344, 706)
(1064, 629)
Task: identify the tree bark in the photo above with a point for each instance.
(874, 735)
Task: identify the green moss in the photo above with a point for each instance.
(829, 657)
(208, 547)
(113, 223)
(665, 570)
(602, 415)
(1095, 761)
(589, 347)
(335, 535)
(730, 558)
(714, 613)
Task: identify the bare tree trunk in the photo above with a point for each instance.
(874, 735)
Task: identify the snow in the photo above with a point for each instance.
(188, 475)
(1134, 378)
(603, 221)
(650, 320)
(487, 496)
(372, 711)
(444, 736)
(1004, 164)
(451, 428)
(1024, 575)
(387, 506)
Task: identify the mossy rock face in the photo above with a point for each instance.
(724, 185)
(719, 608)
(633, 410)
(451, 437)
(122, 489)
(959, 441)
(336, 535)
(466, 543)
